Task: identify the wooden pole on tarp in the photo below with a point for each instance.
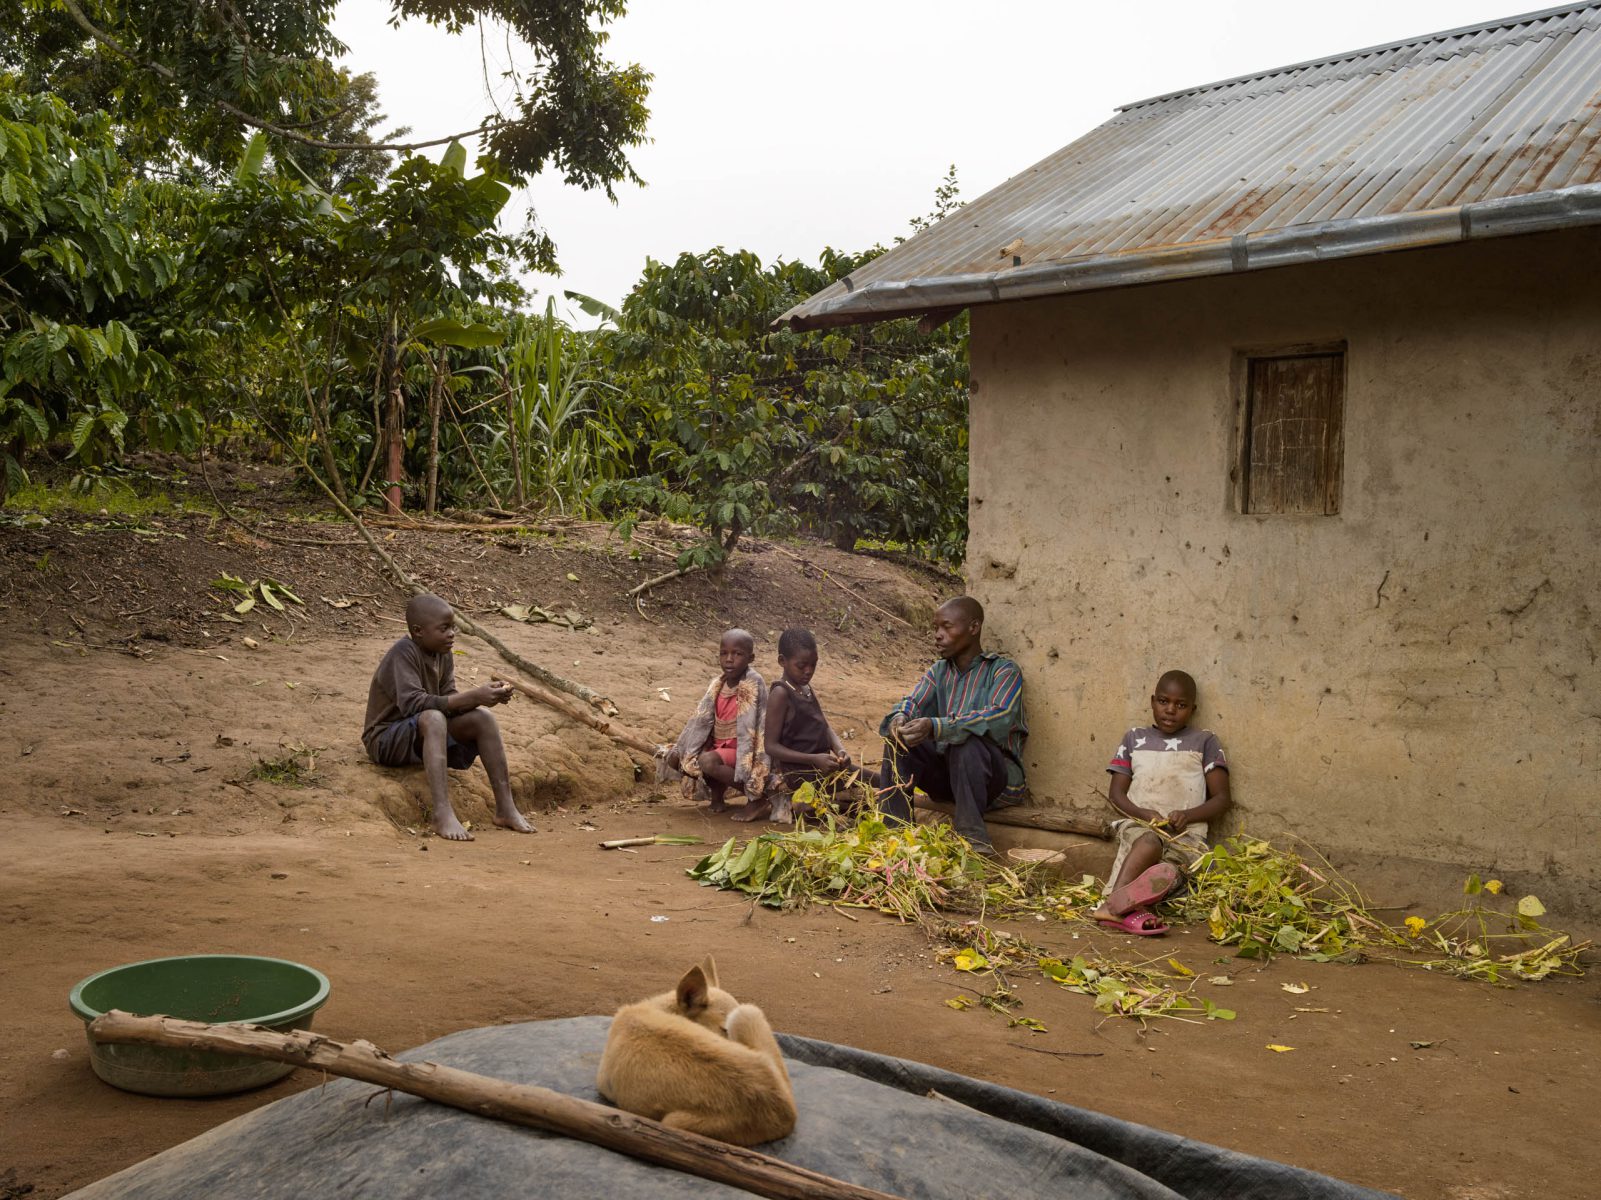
(481, 1095)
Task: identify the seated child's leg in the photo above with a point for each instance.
(474, 733)
(718, 773)
(1138, 851)
(434, 734)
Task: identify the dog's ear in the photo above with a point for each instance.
(692, 990)
(708, 968)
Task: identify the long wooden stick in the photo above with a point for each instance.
(806, 562)
(549, 678)
(519, 1104)
(586, 716)
(1054, 820)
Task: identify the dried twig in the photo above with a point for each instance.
(844, 588)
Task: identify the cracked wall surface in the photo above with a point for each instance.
(1415, 675)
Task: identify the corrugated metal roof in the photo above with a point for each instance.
(1375, 149)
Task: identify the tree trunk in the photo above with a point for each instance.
(394, 425)
(435, 403)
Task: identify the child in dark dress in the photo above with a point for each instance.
(802, 746)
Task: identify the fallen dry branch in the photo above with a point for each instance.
(481, 1095)
(623, 737)
(549, 678)
(1055, 820)
(844, 588)
(638, 590)
(456, 526)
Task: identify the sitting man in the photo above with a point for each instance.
(959, 735)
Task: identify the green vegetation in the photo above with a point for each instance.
(296, 767)
(205, 234)
(114, 499)
(1258, 898)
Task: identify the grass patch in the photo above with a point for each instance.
(100, 496)
(295, 768)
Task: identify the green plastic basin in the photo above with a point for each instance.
(198, 987)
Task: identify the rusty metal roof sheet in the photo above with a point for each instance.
(1470, 132)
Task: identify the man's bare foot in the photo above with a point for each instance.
(446, 826)
(754, 810)
(513, 820)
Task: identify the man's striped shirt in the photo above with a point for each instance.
(986, 700)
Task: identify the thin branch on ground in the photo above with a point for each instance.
(638, 590)
(228, 514)
(549, 678)
(844, 588)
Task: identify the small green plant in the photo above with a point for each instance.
(296, 767)
(270, 590)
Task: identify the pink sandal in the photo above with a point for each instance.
(1139, 922)
(1151, 885)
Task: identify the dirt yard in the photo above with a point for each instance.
(140, 821)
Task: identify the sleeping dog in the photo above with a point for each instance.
(695, 1058)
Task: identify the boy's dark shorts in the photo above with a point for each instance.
(400, 745)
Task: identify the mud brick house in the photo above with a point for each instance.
(1294, 381)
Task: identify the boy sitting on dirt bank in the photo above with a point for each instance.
(1172, 776)
(721, 744)
(416, 715)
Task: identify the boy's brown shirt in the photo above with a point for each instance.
(408, 681)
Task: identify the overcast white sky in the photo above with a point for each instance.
(785, 128)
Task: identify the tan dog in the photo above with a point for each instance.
(697, 1059)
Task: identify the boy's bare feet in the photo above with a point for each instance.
(447, 826)
(510, 818)
(755, 810)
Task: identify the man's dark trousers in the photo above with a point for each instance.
(970, 774)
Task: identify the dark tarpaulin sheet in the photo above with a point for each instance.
(863, 1118)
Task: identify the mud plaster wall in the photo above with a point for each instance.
(1416, 675)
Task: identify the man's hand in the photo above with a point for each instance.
(918, 729)
(1178, 819)
(841, 761)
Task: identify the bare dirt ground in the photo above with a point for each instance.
(136, 824)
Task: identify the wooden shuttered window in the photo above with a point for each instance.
(1294, 438)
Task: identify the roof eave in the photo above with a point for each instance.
(1293, 245)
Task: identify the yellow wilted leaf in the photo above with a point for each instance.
(1415, 926)
(969, 960)
(1299, 989)
(1278, 1049)
(959, 1003)
(1530, 906)
(1493, 886)
(1179, 968)
(1214, 921)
